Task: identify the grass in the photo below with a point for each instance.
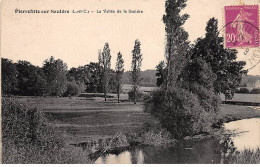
(87, 119)
(233, 112)
(244, 97)
(246, 156)
(90, 119)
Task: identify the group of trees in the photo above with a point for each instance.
(193, 76)
(23, 78)
(54, 78)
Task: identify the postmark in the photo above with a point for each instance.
(241, 32)
(242, 26)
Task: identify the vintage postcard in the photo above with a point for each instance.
(130, 82)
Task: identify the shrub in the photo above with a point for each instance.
(255, 91)
(207, 98)
(28, 138)
(139, 95)
(179, 112)
(247, 156)
(243, 90)
(73, 89)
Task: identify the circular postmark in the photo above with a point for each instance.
(246, 41)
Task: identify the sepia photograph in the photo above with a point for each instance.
(130, 82)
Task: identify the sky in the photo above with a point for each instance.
(76, 38)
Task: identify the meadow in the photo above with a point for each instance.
(91, 118)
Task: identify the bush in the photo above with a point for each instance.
(139, 95)
(207, 98)
(179, 112)
(73, 89)
(243, 90)
(247, 156)
(28, 138)
(255, 91)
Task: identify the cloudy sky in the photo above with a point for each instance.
(76, 38)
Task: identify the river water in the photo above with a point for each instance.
(206, 151)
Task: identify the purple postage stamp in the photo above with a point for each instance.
(242, 26)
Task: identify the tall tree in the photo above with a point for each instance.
(119, 73)
(105, 62)
(222, 61)
(136, 67)
(55, 71)
(177, 44)
(9, 76)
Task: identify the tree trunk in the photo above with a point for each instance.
(134, 94)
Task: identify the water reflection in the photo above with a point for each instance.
(200, 153)
(206, 151)
(250, 133)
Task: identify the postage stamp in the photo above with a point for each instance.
(241, 26)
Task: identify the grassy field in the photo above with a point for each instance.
(126, 88)
(244, 98)
(85, 119)
(92, 118)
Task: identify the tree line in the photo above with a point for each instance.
(54, 79)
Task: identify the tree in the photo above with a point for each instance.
(119, 73)
(177, 44)
(105, 63)
(55, 71)
(79, 75)
(136, 67)
(185, 106)
(31, 79)
(94, 83)
(73, 89)
(9, 76)
(222, 61)
(160, 68)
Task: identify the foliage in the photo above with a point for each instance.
(27, 137)
(119, 73)
(160, 74)
(222, 61)
(176, 45)
(55, 71)
(242, 90)
(136, 68)
(73, 89)
(94, 83)
(247, 156)
(9, 76)
(80, 75)
(198, 78)
(112, 81)
(31, 80)
(255, 91)
(186, 104)
(105, 62)
(135, 96)
(151, 134)
(180, 112)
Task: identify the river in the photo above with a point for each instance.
(205, 151)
